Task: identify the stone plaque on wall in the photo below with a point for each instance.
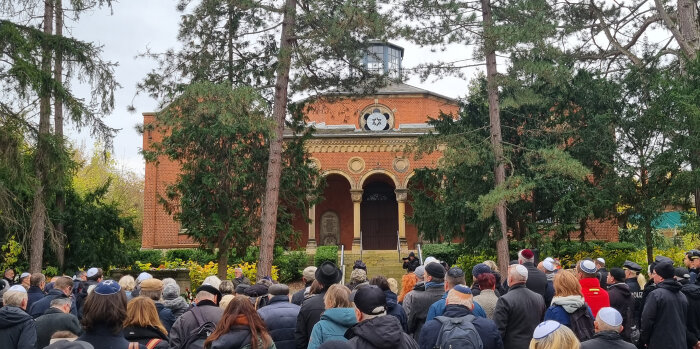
(330, 228)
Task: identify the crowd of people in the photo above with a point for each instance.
(535, 306)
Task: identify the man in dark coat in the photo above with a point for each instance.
(519, 311)
(602, 272)
(239, 278)
(280, 316)
(631, 269)
(56, 318)
(37, 282)
(392, 305)
(410, 263)
(17, 329)
(153, 288)
(459, 304)
(665, 312)
(207, 305)
(692, 262)
(692, 294)
(327, 274)
(608, 325)
(421, 302)
(62, 288)
(93, 277)
(621, 299)
(536, 280)
(308, 277)
(374, 329)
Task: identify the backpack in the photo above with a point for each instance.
(582, 323)
(458, 333)
(196, 338)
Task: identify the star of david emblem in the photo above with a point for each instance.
(376, 121)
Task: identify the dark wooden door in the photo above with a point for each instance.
(379, 217)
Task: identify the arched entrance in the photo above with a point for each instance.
(379, 214)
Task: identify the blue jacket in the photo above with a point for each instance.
(34, 294)
(280, 317)
(438, 308)
(166, 316)
(41, 306)
(394, 309)
(486, 328)
(332, 327)
(557, 313)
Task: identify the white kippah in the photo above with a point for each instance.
(549, 266)
(545, 329)
(431, 259)
(550, 259)
(144, 276)
(587, 266)
(521, 270)
(24, 275)
(18, 288)
(601, 260)
(91, 272)
(610, 316)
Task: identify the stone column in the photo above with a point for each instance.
(311, 244)
(401, 195)
(356, 195)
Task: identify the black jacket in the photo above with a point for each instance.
(280, 318)
(238, 337)
(52, 321)
(536, 280)
(380, 332)
(144, 335)
(621, 299)
(602, 275)
(17, 329)
(394, 309)
(409, 264)
(103, 338)
(517, 314)
(166, 316)
(692, 294)
(309, 315)
(41, 306)
(607, 340)
(664, 317)
(298, 297)
(488, 332)
(636, 292)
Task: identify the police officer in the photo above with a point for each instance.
(692, 261)
(631, 270)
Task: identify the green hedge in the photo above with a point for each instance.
(326, 253)
(155, 257)
(197, 255)
(443, 252)
(291, 265)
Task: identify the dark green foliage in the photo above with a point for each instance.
(443, 252)
(291, 265)
(198, 255)
(155, 257)
(326, 253)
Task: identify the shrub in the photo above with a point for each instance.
(468, 261)
(326, 253)
(191, 254)
(200, 272)
(153, 257)
(444, 252)
(291, 265)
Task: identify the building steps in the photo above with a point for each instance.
(386, 263)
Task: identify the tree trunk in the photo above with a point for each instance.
(222, 268)
(648, 240)
(495, 123)
(58, 130)
(38, 223)
(274, 167)
(689, 26)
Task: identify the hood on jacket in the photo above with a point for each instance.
(691, 290)
(671, 285)
(342, 316)
(569, 303)
(11, 316)
(391, 296)
(420, 286)
(177, 303)
(383, 331)
(622, 288)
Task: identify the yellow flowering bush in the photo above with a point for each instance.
(200, 272)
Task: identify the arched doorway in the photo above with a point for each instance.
(379, 214)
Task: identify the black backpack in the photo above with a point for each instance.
(196, 337)
(458, 332)
(582, 323)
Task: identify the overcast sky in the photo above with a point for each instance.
(137, 25)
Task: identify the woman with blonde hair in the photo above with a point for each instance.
(568, 299)
(143, 325)
(338, 317)
(127, 284)
(240, 327)
(552, 335)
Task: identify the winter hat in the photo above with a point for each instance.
(587, 266)
(310, 273)
(370, 300)
(107, 288)
(435, 270)
(610, 316)
(143, 276)
(152, 284)
(240, 289)
(420, 271)
(617, 274)
(278, 290)
(665, 270)
(328, 274)
(171, 291)
(548, 265)
(545, 329)
(479, 269)
(527, 254)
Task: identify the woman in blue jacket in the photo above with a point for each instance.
(567, 299)
(338, 317)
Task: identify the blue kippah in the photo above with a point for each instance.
(463, 289)
(107, 287)
(479, 269)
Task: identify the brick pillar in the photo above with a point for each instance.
(311, 244)
(356, 195)
(401, 195)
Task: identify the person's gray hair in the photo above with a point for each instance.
(169, 281)
(516, 273)
(59, 302)
(204, 295)
(14, 298)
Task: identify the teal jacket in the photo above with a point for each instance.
(334, 322)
